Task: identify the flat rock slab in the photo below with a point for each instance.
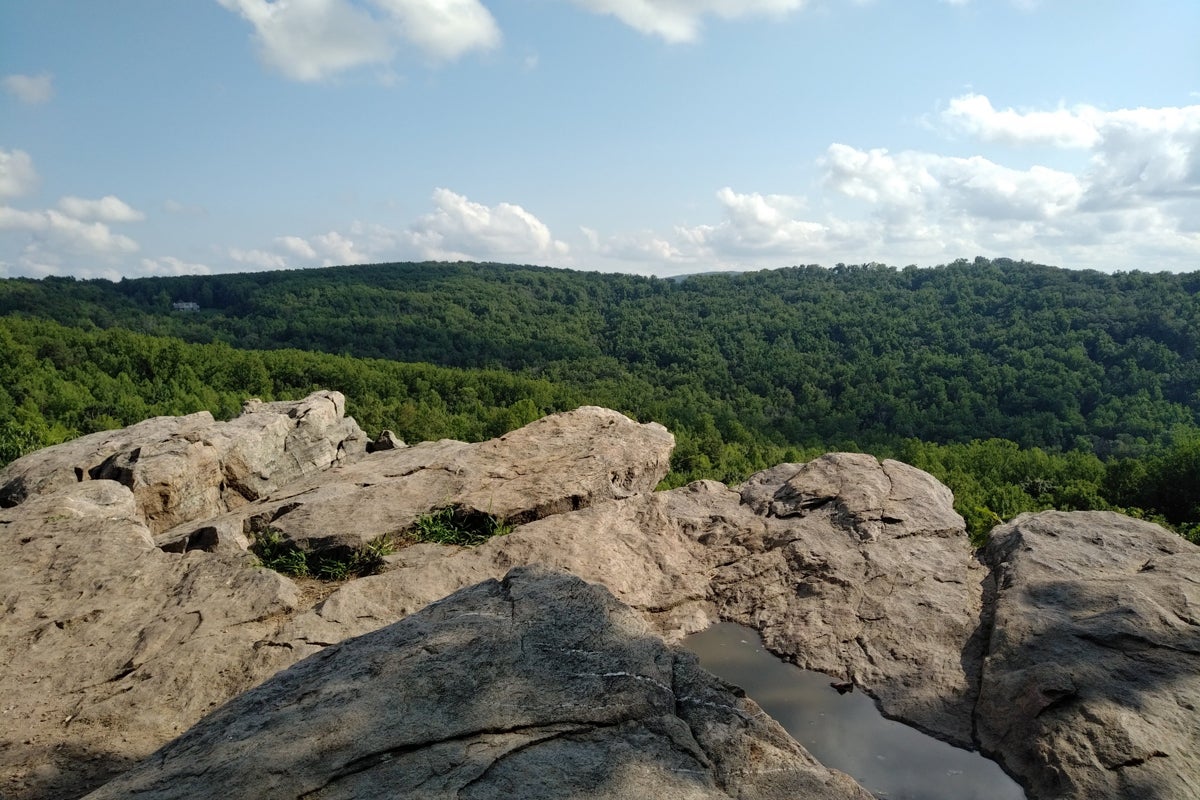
(1091, 686)
(536, 686)
(557, 464)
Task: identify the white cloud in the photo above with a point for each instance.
(292, 252)
(60, 232)
(309, 40)
(914, 183)
(1138, 155)
(17, 175)
(107, 209)
(462, 229)
(681, 20)
(296, 246)
(169, 265)
(756, 224)
(258, 259)
(1134, 205)
(337, 249)
(30, 89)
(444, 29)
(975, 115)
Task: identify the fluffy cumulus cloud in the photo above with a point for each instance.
(257, 259)
(308, 40)
(30, 89)
(17, 175)
(106, 209)
(681, 20)
(462, 229)
(1134, 204)
(66, 233)
(74, 238)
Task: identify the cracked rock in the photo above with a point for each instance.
(536, 686)
(1091, 687)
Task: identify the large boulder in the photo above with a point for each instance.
(559, 463)
(109, 646)
(861, 569)
(1091, 686)
(191, 468)
(897, 611)
(536, 686)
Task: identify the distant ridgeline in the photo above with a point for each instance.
(933, 365)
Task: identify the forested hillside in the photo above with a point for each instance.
(1023, 386)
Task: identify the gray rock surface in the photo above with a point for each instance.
(108, 646)
(536, 686)
(191, 468)
(559, 463)
(894, 612)
(1070, 650)
(1092, 682)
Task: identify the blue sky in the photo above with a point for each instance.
(144, 137)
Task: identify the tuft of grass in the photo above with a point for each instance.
(454, 526)
(275, 552)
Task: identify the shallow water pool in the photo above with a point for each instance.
(847, 732)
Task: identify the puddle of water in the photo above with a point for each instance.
(847, 732)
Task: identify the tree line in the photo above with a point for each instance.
(57, 382)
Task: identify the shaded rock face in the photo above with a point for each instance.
(109, 646)
(1091, 686)
(188, 468)
(894, 613)
(536, 686)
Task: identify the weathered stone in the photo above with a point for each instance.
(899, 614)
(386, 440)
(862, 570)
(1091, 686)
(559, 463)
(191, 468)
(109, 646)
(537, 686)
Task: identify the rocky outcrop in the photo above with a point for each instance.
(188, 468)
(537, 686)
(898, 613)
(1069, 650)
(559, 463)
(862, 569)
(1091, 686)
(109, 646)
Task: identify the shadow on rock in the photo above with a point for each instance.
(538, 686)
(1092, 679)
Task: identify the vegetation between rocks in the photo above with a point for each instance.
(452, 525)
(275, 552)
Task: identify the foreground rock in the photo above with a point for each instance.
(1092, 681)
(537, 686)
(896, 611)
(187, 468)
(109, 646)
(1070, 651)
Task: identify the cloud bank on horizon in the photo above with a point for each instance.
(1080, 182)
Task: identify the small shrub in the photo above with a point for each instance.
(454, 526)
(275, 552)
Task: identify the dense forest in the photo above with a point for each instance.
(1022, 386)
